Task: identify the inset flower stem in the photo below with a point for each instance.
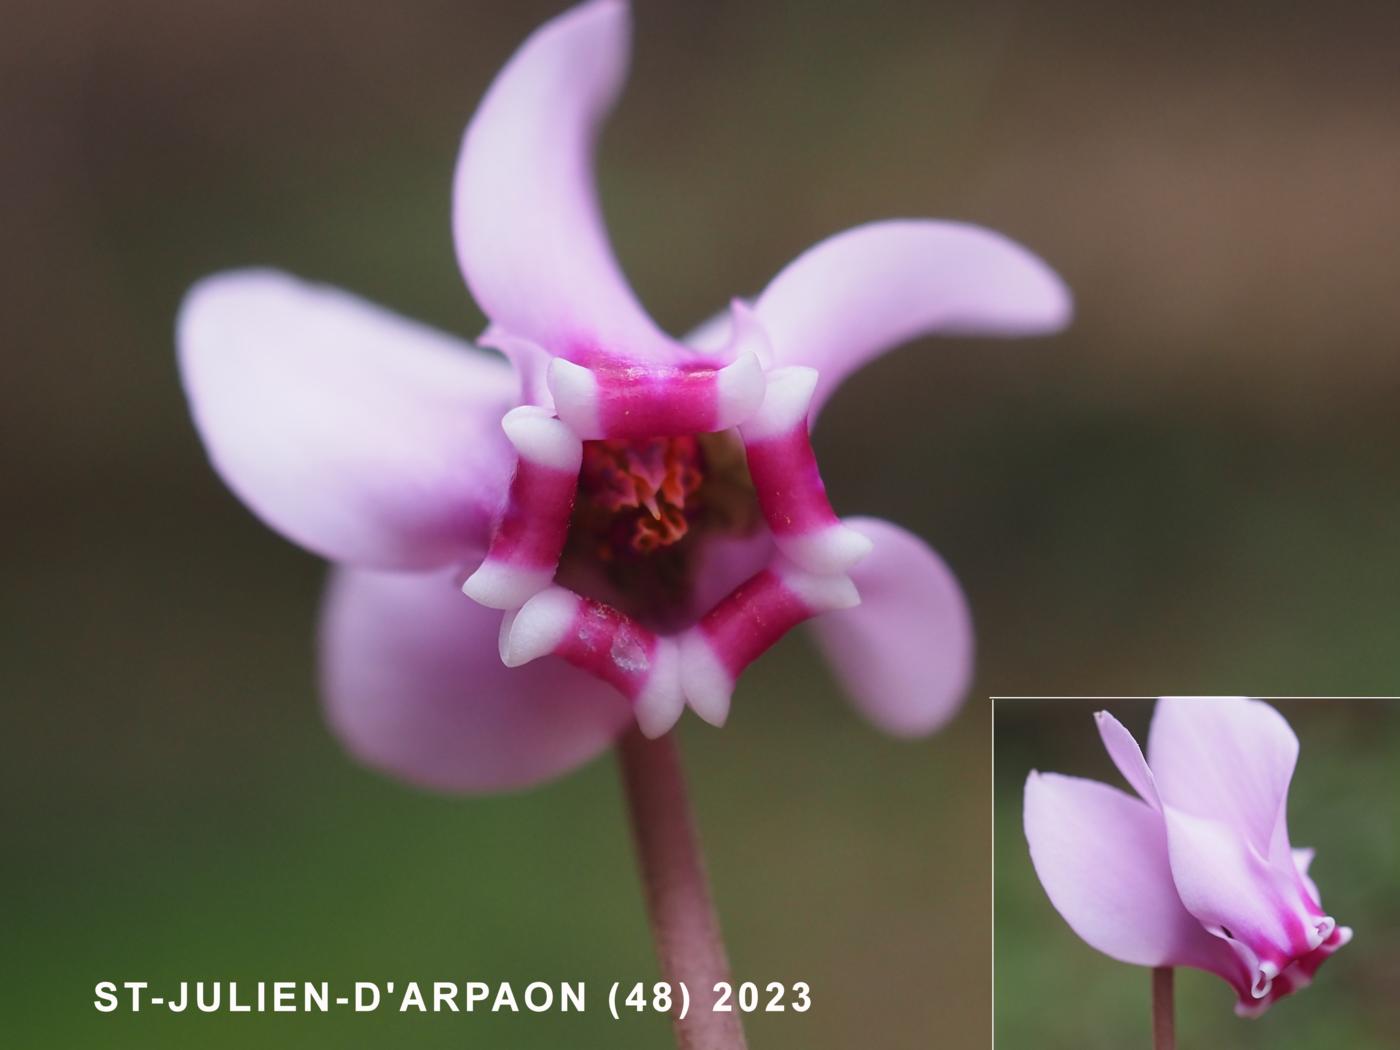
(1163, 1010)
(683, 921)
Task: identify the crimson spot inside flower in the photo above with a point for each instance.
(643, 510)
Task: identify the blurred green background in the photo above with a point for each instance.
(1194, 489)
(1053, 991)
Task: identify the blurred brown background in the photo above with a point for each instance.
(1192, 490)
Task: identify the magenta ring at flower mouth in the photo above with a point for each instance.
(660, 673)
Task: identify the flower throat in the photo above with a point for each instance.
(642, 512)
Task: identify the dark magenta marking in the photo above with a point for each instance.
(1296, 933)
(656, 401)
(536, 518)
(754, 616)
(610, 645)
(1309, 963)
(788, 484)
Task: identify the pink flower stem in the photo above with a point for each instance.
(683, 921)
(1163, 1010)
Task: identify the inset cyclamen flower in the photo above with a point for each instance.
(1198, 870)
(634, 518)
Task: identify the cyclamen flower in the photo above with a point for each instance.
(647, 509)
(1198, 870)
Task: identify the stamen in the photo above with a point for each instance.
(657, 477)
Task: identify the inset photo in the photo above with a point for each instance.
(1211, 872)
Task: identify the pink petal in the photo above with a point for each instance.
(1302, 860)
(1222, 767)
(414, 686)
(715, 332)
(1224, 758)
(1259, 909)
(1102, 857)
(356, 433)
(1127, 756)
(530, 236)
(904, 653)
(860, 293)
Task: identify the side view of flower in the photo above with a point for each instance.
(634, 518)
(1198, 869)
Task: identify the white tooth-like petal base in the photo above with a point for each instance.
(575, 391)
(1320, 931)
(708, 686)
(543, 440)
(501, 585)
(787, 398)
(835, 548)
(1264, 979)
(660, 703)
(821, 593)
(539, 627)
(739, 391)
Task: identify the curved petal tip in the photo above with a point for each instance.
(856, 295)
(361, 435)
(905, 652)
(414, 686)
(529, 232)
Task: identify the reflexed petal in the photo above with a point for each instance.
(1127, 756)
(414, 686)
(530, 236)
(862, 292)
(356, 433)
(1102, 857)
(905, 652)
(1225, 758)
